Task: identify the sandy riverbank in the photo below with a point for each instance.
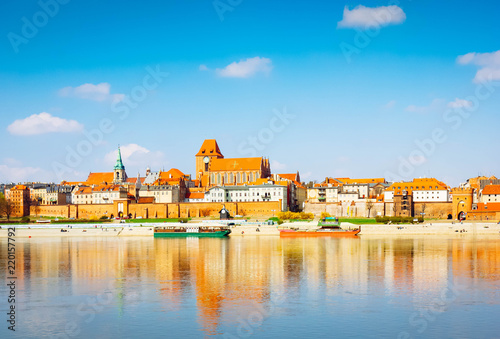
(120, 230)
(431, 229)
(79, 232)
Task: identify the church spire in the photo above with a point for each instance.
(119, 163)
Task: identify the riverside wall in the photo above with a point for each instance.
(173, 210)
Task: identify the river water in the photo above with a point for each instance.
(254, 287)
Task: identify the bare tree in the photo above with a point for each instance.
(6, 208)
(369, 206)
(424, 206)
(36, 206)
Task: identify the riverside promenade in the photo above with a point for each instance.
(250, 229)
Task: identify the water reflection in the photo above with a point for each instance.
(222, 281)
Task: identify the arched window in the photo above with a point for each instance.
(251, 177)
(225, 178)
(231, 178)
(213, 178)
(218, 178)
(244, 177)
(238, 178)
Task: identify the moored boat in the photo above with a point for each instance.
(328, 227)
(191, 231)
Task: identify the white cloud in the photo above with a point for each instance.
(489, 65)
(18, 174)
(135, 155)
(371, 17)
(246, 68)
(203, 68)
(43, 123)
(460, 103)
(100, 92)
(305, 175)
(277, 166)
(434, 105)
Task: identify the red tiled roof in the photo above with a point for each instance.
(209, 147)
(491, 189)
(361, 181)
(195, 195)
(172, 173)
(488, 207)
(146, 200)
(236, 164)
(100, 178)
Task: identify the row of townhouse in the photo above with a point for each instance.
(338, 190)
(98, 194)
(264, 191)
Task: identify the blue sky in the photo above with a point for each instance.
(410, 75)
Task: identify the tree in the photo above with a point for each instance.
(424, 206)
(369, 206)
(6, 207)
(36, 207)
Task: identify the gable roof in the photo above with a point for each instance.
(173, 173)
(209, 147)
(491, 189)
(195, 195)
(236, 164)
(100, 178)
(361, 181)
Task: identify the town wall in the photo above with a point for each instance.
(433, 210)
(174, 210)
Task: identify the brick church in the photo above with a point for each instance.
(213, 169)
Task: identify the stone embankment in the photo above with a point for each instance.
(79, 231)
(432, 229)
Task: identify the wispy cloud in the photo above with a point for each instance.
(100, 92)
(17, 173)
(277, 166)
(390, 104)
(489, 65)
(43, 123)
(433, 106)
(460, 103)
(203, 68)
(136, 155)
(371, 17)
(246, 68)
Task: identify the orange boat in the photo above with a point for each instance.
(329, 227)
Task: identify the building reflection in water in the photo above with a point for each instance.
(225, 279)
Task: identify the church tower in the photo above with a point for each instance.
(208, 151)
(119, 170)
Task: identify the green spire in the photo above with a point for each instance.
(119, 163)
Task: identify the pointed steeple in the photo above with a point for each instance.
(119, 163)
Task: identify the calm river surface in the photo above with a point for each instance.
(261, 287)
